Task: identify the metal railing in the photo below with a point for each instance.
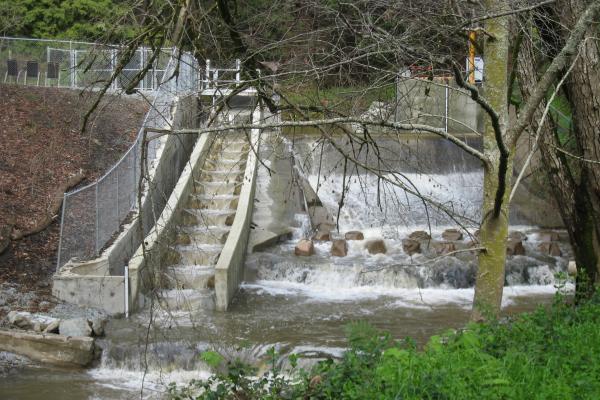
(93, 215)
(75, 64)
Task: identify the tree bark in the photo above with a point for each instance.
(583, 92)
(494, 227)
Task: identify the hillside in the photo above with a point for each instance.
(43, 151)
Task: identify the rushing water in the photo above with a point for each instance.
(301, 305)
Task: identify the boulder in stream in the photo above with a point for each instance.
(411, 246)
(419, 235)
(514, 247)
(548, 236)
(322, 236)
(305, 248)
(452, 235)
(517, 235)
(376, 246)
(550, 248)
(442, 248)
(339, 248)
(354, 235)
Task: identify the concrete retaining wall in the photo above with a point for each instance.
(229, 271)
(100, 283)
(142, 269)
(422, 101)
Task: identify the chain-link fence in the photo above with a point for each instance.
(77, 65)
(92, 215)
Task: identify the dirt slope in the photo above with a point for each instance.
(42, 149)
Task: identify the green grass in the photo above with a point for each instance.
(548, 354)
(349, 100)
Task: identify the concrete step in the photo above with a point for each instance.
(225, 165)
(208, 217)
(190, 277)
(227, 175)
(200, 234)
(187, 299)
(216, 202)
(193, 254)
(216, 188)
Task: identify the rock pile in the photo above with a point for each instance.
(93, 326)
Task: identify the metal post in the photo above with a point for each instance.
(142, 63)
(116, 170)
(446, 112)
(207, 85)
(126, 287)
(97, 225)
(72, 62)
(113, 57)
(62, 226)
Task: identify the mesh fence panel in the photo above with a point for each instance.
(78, 228)
(93, 216)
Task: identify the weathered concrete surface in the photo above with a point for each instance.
(49, 348)
(260, 238)
(229, 271)
(422, 101)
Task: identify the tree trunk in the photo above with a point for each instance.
(572, 181)
(583, 91)
(494, 226)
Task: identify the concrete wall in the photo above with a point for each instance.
(229, 271)
(99, 283)
(142, 269)
(421, 101)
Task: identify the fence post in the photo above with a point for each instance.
(113, 58)
(238, 67)
(97, 225)
(72, 62)
(206, 86)
(60, 237)
(118, 209)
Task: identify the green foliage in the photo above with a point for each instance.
(547, 354)
(69, 19)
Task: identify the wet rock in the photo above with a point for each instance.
(419, 235)
(354, 235)
(548, 236)
(517, 235)
(20, 319)
(75, 327)
(322, 236)
(453, 273)
(339, 248)
(452, 235)
(229, 220)
(304, 247)
(550, 248)
(411, 246)
(376, 246)
(443, 247)
(514, 247)
(28, 321)
(210, 283)
(52, 327)
(572, 268)
(98, 324)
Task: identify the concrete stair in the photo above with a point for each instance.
(204, 225)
